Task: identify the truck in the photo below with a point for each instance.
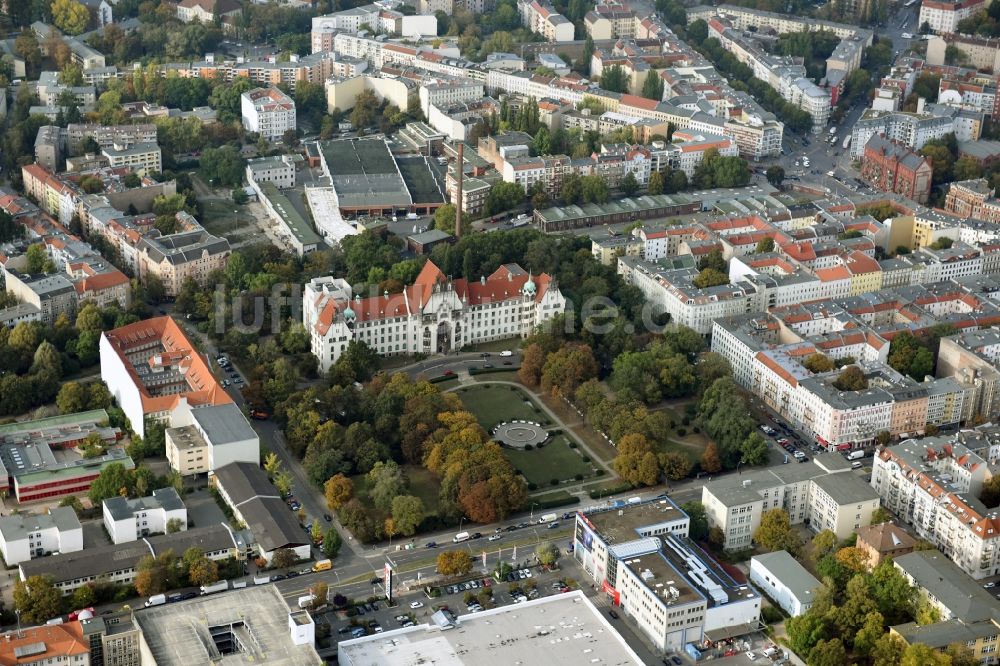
(857, 454)
(221, 586)
(833, 130)
(461, 536)
(412, 216)
(322, 565)
(261, 580)
(306, 601)
(548, 518)
(156, 600)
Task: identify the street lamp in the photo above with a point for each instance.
(236, 216)
(531, 514)
(460, 523)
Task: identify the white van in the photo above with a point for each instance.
(506, 352)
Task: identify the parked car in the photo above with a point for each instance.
(416, 604)
(613, 614)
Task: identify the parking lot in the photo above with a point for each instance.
(460, 597)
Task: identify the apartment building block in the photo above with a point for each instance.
(267, 111)
(890, 167)
(26, 536)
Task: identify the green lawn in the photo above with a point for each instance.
(555, 460)
(495, 404)
(423, 484)
(218, 217)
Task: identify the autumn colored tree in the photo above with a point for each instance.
(37, 599)
(203, 571)
(532, 362)
(155, 575)
(776, 532)
(636, 463)
(852, 559)
(675, 466)
(818, 362)
(567, 368)
(283, 558)
(710, 461)
(823, 544)
(851, 378)
(454, 563)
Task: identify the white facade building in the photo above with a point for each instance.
(132, 519)
(784, 580)
(432, 315)
(25, 536)
(933, 484)
(267, 111)
(943, 16)
(279, 170)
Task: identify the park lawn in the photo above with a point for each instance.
(495, 404)
(423, 484)
(693, 452)
(555, 460)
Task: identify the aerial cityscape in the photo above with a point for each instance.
(536, 332)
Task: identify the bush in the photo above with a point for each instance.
(528, 447)
(572, 445)
(681, 432)
(556, 502)
(686, 420)
(554, 482)
(532, 486)
(578, 477)
(696, 429)
(586, 458)
(771, 615)
(600, 472)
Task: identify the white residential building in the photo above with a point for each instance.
(132, 519)
(278, 170)
(933, 484)
(541, 18)
(785, 581)
(267, 111)
(25, 536)
(139, 157)
(822, 491)
(943, 16)
(508, 304)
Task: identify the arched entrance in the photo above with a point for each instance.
(443, 337)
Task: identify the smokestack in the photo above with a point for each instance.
(461, 172)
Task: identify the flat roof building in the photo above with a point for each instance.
(564, 629)
(784, 581)
(248, 625)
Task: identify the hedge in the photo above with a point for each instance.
(505, 368)
(597, 494)
(558, 501)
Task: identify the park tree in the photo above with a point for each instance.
(337, 490)
(407, 512)
(776, 532)
(754, 449)
(887, 650)
(567, 368)
(675, 466)
(532, 362)
(175, 525)
(223, 166)
(37, 599)
(454, 563)
(636, 462)
(386, 480)
(806, 631)
(710, 461)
